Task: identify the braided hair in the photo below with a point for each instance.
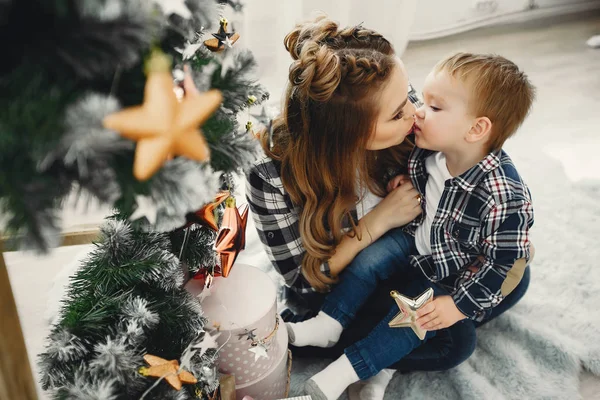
(321, 136)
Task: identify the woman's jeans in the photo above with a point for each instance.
(362, 304)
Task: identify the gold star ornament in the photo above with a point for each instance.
(407, 317)
(162, 125)
(159, 368)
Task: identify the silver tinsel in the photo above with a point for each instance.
(63, 346)
(136, 311)
(169, 276)
(88, 148)
(181, 186)
(98, 389)
(115, 358)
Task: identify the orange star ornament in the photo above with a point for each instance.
(163, 126)
(159, 368)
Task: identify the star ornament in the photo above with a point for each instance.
(146, 208)
(162, 125)
(206, 215)
(208, 342)
(169, 370)
(222, 38)
(231, 237)
(260, 351)
(407, 317)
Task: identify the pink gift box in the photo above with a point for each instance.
(244, 307)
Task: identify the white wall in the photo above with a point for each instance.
(265, 23)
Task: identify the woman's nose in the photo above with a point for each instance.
(420, 112)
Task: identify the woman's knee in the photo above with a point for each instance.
(382, 258)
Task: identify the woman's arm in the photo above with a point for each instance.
(397, 209)
(277, 224)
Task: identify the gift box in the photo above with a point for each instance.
(253, 339)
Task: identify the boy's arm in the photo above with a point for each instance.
(505, 237)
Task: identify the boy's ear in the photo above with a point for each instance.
(481, 129)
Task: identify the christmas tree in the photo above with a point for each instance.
(93, 102)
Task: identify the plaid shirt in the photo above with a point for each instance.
(276, 218)
(480, 229)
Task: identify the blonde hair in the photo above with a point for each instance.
(500, 91)
(320, 138)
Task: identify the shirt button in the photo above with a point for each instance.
(455, 233)
(270, 235)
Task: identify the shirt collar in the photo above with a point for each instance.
(469, 179)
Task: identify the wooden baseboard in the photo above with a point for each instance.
(73, 237)
(16, 379)
(515, 17)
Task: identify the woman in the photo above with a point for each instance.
(316, 198)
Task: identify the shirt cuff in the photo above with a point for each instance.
(469, 309)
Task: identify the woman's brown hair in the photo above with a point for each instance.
(321, 137)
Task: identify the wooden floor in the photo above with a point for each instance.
(565, 121)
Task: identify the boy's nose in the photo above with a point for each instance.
(420, 112)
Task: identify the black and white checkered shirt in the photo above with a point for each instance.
(480, 229)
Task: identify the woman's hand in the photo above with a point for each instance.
(398, 208)
(398, 180)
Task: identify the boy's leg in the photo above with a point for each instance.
(449, 348)
(381, 348)
(385, 257)
(359, 280)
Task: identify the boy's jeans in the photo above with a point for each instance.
(382, 259)
(384, 345)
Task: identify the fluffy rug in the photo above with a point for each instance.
(537, 349)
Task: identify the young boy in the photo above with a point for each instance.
(471, 243)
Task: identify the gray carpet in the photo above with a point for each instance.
(537, 349)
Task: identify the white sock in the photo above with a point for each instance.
(374, 388)
(594, 41)
(330, 383)
(320, 331)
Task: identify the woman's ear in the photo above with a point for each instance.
(481, 129)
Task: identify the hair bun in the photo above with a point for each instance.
(316, 70)
(317, 30)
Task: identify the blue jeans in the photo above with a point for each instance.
(367, 339)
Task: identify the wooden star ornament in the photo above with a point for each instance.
(222, 38)
(162, 125)
(159, 368)
(407, 317)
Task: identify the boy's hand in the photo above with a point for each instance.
(396, 181)
(439, 313)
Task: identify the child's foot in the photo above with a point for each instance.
(330, 383)
(320, 331)
(374, 389)
(594, 41)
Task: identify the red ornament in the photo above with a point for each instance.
(206, 215)
(231, 238)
